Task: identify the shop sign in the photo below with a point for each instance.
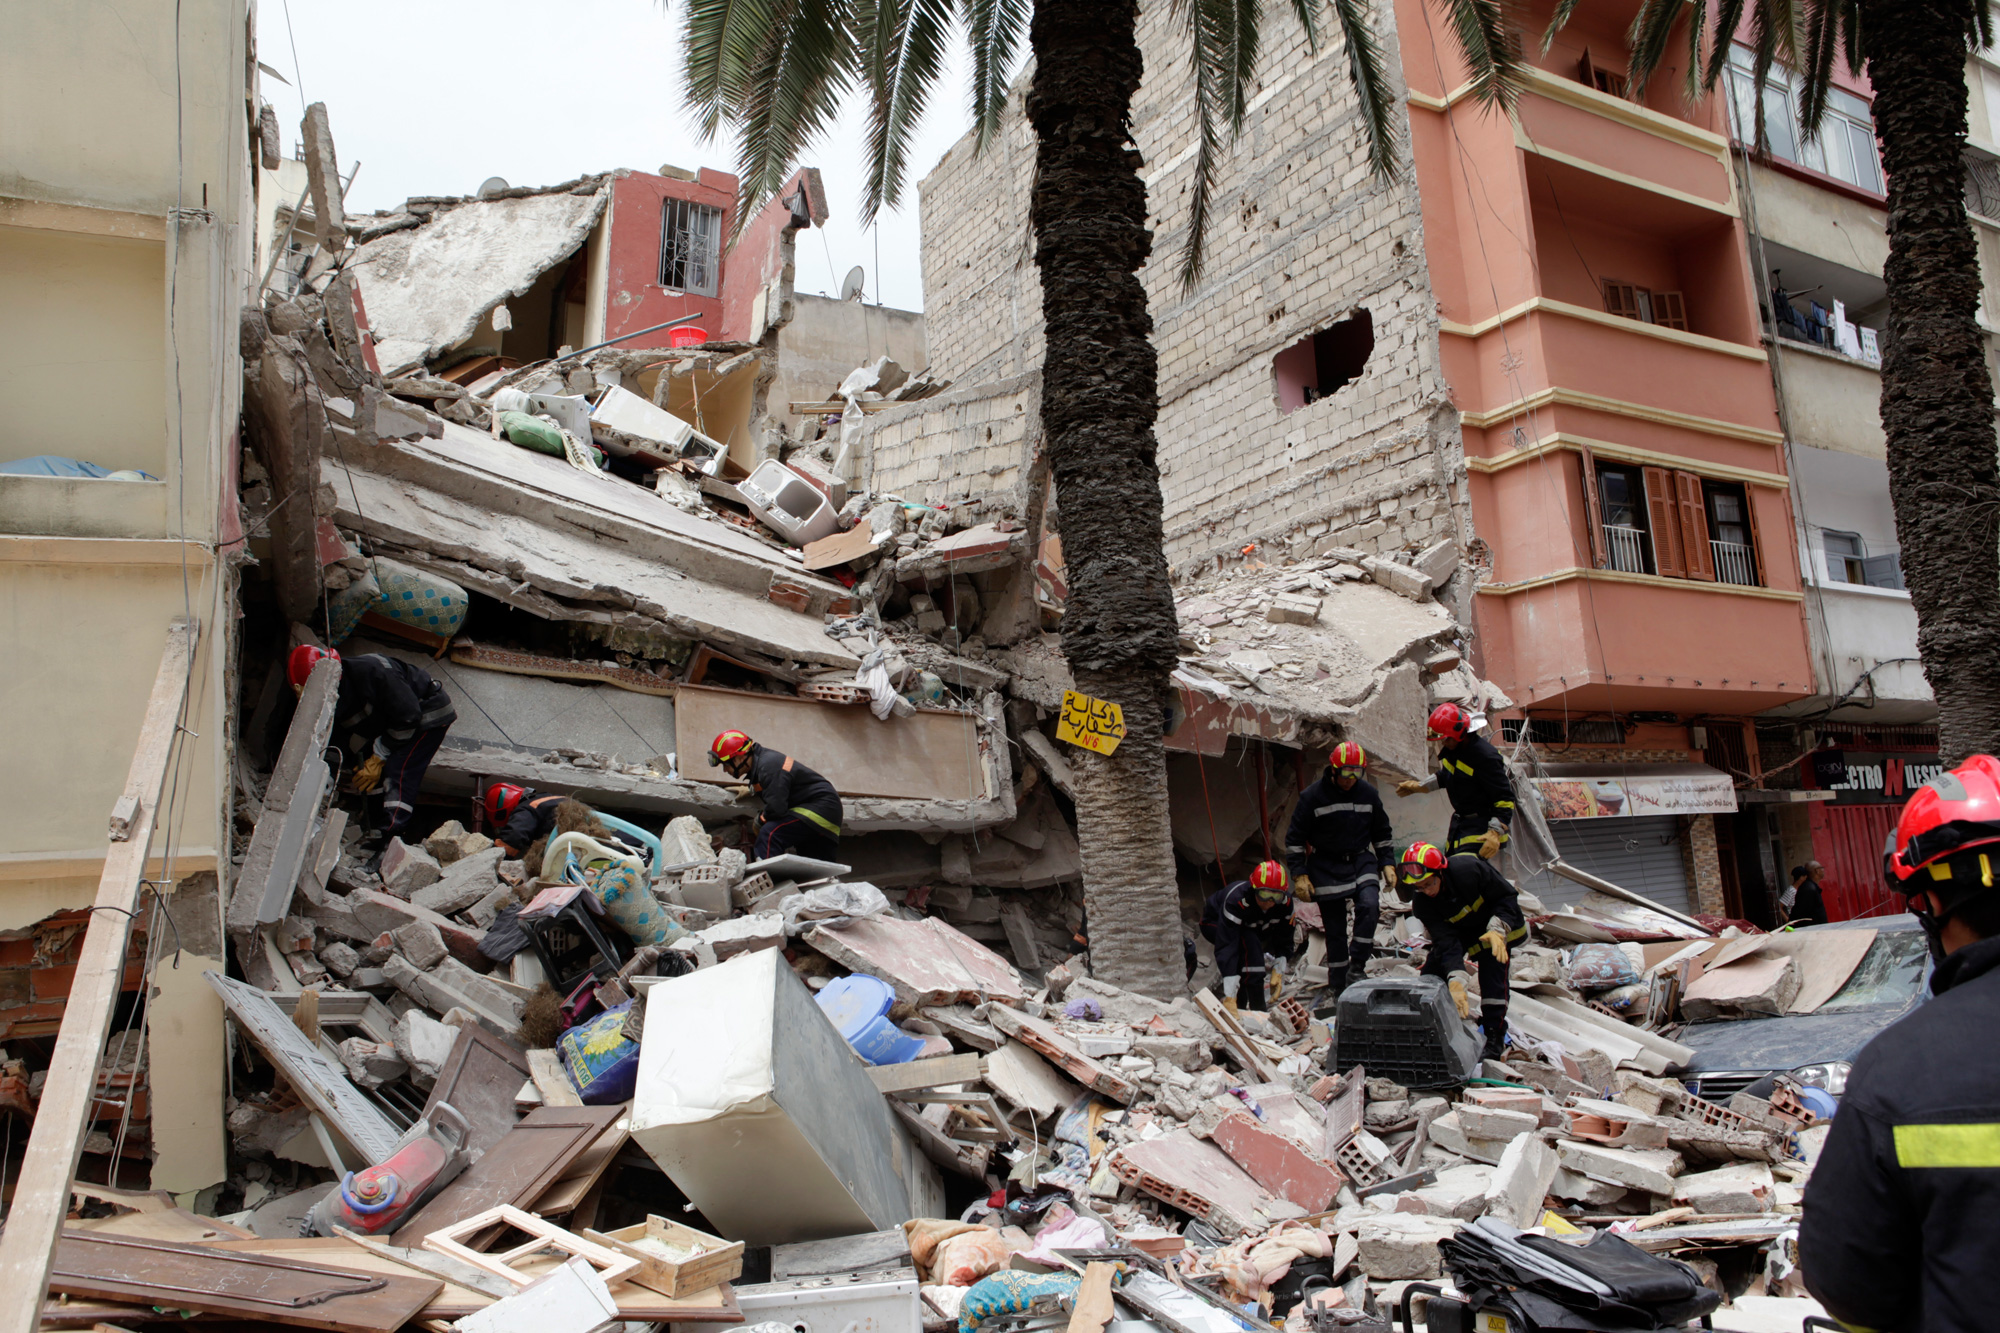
(1874, 776)
(1637, 796)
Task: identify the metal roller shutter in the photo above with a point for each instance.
(1643, 855)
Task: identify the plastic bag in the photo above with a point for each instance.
(1596, 967)
(1627, 999)
(599, 1059)
(831, 905)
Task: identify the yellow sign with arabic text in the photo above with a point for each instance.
(1095, 724)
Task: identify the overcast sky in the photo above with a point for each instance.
(434, 97)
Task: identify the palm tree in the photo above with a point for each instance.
(776, 71)
(1937, 395)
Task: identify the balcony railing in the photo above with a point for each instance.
(1733, 564)
(1627, 548)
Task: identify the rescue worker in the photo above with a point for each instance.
(1899, 1230)
(521, 816)
(1339, 849)
(1473, 917)
(1474, 776)
(1250, 925)
(388, 720)
(801, 808)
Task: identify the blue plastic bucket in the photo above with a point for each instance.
(858, 1006)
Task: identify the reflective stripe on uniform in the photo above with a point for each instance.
(1948, 1145)
(1453, 763)
(1466, 911)
(1503, 805)
(820, 820)
(1339, 806)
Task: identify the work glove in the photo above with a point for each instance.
(739, 790)
(369, 776)
(1409, 787)
(1459, 998)
(1497, 942)
(1302, 888)
(1489, 846)
(1388, 879)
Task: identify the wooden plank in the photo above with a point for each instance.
(479, 1079)
(516, 1171)
(1093, 1308)
(41, 1195)
(275, 858)
(584, 1173)
(545, 1068)
(1020, 934)
(315, 1077)
(614, 1267)
(1234, 1037)
(248, 1286)
(934, 1073)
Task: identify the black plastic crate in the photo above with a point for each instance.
(1406, 1029)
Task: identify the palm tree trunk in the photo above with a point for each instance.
(1937, 396)
(1099, 400)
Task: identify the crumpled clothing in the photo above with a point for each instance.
(1066, 1229)
(961, 1260)
(832, 906)
(1009, 1292)
(1086, 1009)
(1253, 1265)
(925, 1235)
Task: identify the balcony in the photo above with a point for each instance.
(1627, 548)
(1734, 563)
(1564, 122)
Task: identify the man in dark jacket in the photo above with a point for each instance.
(1473, 917)
(1474, 776)
(1804, 904)
(1899, 1230)
(1250, 925)
(388, 721)
(801, 808)
(521, 816)
(1337, 849)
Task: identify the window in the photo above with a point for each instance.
(1729, 534)
(1848, 561)
(1845, 148)
(689, 249)
(1321, 364)
(1655, 520)
(1982, 185)
(1594, 75)
(1645, 305)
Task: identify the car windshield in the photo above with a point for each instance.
(1890, 973)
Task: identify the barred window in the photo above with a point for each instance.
(1982, 185)
(689, 246)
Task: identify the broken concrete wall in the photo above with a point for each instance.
(827, 338)
(429, 283)
(978, 441)
(1303, 237)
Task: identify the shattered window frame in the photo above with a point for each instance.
(689, 246)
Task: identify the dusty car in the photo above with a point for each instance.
(1818, 1048)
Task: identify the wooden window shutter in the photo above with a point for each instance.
(1621, 298)
(1593, 509)
(1664, 519)
(1699, 559)
(1756, 546)
(1669, 312)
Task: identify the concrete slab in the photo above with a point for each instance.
(1277, 1163)
(1194, 1175)
(927, 962)
(1026, 1080)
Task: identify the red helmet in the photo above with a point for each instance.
(1951, 813)
(502, 799)
(300, 664)
(727, 746)
(1348, 755)
(1421, 861)
(1268, 877)
(1450, 722)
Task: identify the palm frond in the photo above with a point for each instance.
(1697, 53)
(1822, 39)
(1652, 31)
(791, 94)
(1728, 18)
(993, 29)
(1557, 22)
(1492, 51)
(1212, 39)
(1307, 13)
(1366, 68)
(901, 53)
(720, 41)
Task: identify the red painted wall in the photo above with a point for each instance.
(634, 298)
(759, 253)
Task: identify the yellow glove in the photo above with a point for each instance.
(1409, 788)
(369, 776)
(1489, 846)
(739, 790)
(1302, 889)
(1229, 1003)
(1459, 998)
(1497, 942)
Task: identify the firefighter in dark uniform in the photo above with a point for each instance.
(389, 720)
(1250, 925)
(1338, 849)
(521, 816)
(1473, 917)
(801, 808)
(1902, 1214)
(1474, 776)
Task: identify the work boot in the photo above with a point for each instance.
(1493, 1019)
(1329, 1000)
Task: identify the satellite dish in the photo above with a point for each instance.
(491, 186)
(851, 286)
